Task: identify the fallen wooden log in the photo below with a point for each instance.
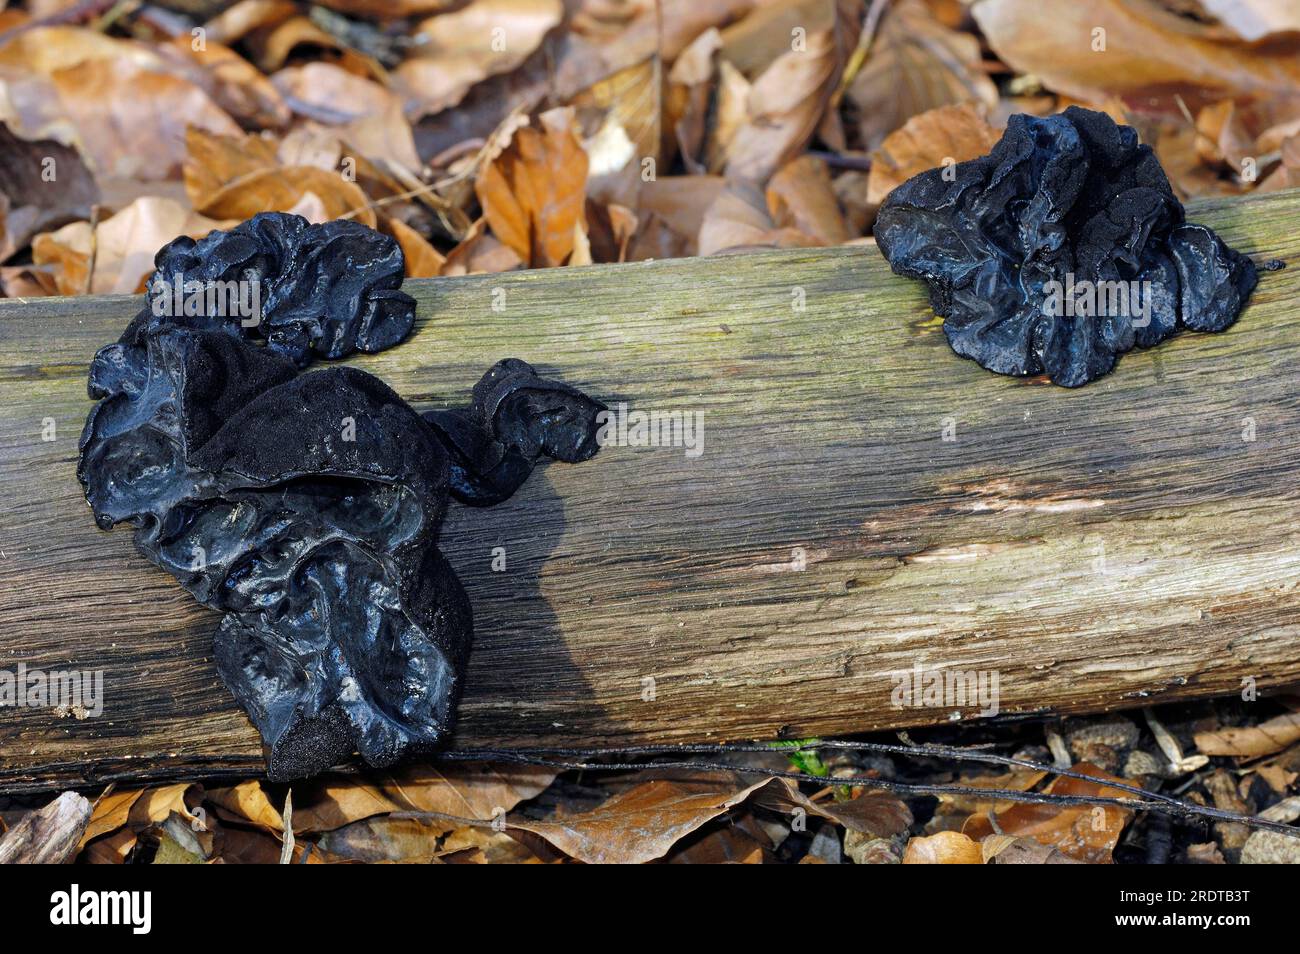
(866, 506)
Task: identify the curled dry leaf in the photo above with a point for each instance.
(388, 9)
(122, 248)
(739, 219)
(1086, 833)
(800, 196)
(475, 790)
(642, 823)
(234, 84)
(916, 64)
(367, 115)
(376, 839)
(533, 193)
(943, 136)
(422, 259)
(246, 803)
(118, 100)
(1252, 741)
(212, 161)
(43, 185)
(686, 110)
(1009, 850)
(1255, 19)
(785, 105)
(290, 188)
(943, 848)
(625, 111)
(1144, 47)
(480, 253)
(464, 47)
(874, 814)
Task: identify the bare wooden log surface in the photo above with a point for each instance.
(865, 503)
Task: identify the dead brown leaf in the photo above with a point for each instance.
(784, 107)
(800, 197)
(234, 84)
(915, 64)
(464, 789)
(1086, 833)
(739, 219)
(291, 188)
(43, 185)
(642, 823)
(1252, 741)
(367, 115)
(466, 46)
(122, 247)
(533, 193)
(946, 135)
(1144, 47)
(422, 259)
(247, 803)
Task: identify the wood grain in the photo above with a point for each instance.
(1105, 547)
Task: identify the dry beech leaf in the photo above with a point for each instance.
(738, 219)
(1148, 48)
(486, 846)
(1255, 19)
(1009, 850)
(375, 839)
(642, 823)
(800, 196)
(43, 185)
(876, 814)
(754, 41)
(272, 45)
(1017, 780)
(1086, 833)
(282, 189)
(784, 108)
(242, 18)
(234, 84)
(916, 64)
(728, 845)
(1254, 740)
(212, 161)
(466, 46)
(117, 105)
(246, 802)
(729, 116)
(943, 848)
(422, 259)
(464, 789)
(105, 96)
(480, 253)
(123, 247)
(533, 193)
(946, 135)
(156, 805)
(388, 9)
(367, 115)
(629, 107)
(109, 813)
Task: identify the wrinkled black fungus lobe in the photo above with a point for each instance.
(1073, 199)
(306, 506)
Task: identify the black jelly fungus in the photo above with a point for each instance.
(306, 506)
(1060, 250)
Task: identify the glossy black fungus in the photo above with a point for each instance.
(1060, 250)
(306, 506)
